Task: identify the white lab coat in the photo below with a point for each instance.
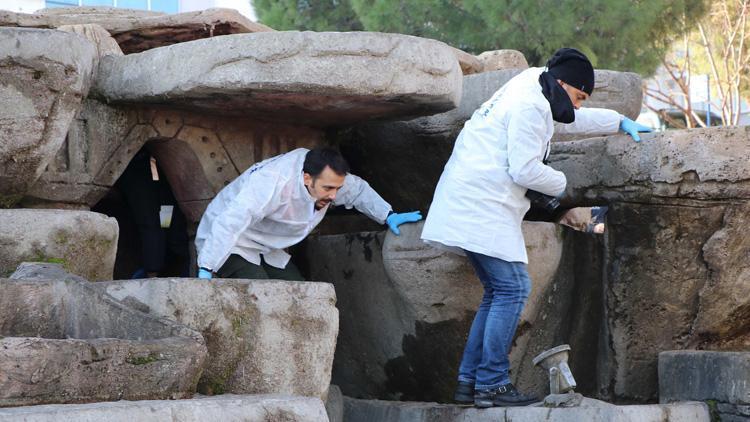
(480, 202)
(267, 208)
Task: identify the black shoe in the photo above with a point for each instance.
(464, 392)
(505, 395)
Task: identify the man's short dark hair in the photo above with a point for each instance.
(317, 159)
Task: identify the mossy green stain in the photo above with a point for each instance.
(142, 360)
(713, 410)
(8, 201)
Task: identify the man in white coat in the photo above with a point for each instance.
(480, 202)
(275, 204)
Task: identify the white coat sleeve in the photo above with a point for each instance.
(256, 200)
(358, 194)
(527, 142)
(592, 121)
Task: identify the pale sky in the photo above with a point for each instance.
(243, 6)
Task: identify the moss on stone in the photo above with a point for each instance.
(8, 201)
(142, 360)
(713, 410)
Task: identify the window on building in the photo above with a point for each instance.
(166, 6)
(133, 4)
(61, 3)
(98, 2)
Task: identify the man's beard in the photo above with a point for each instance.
(321, 203)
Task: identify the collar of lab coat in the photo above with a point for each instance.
(303, 192)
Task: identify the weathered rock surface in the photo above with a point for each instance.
(321, 79)
(502, 59)
(262, 336)
(675, 250)
(654, 268)
(335, 404)
(468, 62)
(138, 30)
(590, 410)
(199, 154)
(717, 377)
(63, 341)
(84, 242)
(225, 408)
(105, 44)
(702, 164)
(704, 375)
(418, 149)
(43, 77)
(402, 335)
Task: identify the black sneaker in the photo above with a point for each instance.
(505, 395)
(464, 392)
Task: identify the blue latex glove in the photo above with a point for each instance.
(204, 274)
(394, 220)
(632, 128)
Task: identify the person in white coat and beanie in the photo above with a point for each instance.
(275, 204)
(480, 202)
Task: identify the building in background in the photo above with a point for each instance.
(166, 6)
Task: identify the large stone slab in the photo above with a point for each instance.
(324, 79)
(225, 408)
(262, 336)
(406, 310)
(502, 59)
(418, 149)
(138, 30)
(718, 378)
(85, 243)
(704, 375)
(590, 410)
(44, 75)
(63, 341)
(702, 164)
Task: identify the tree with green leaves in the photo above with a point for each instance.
(628, 35)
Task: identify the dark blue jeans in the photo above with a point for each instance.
(506, 286)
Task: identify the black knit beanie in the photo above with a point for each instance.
(572, 67)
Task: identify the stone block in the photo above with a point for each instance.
(502, 59)
(314, 78)
(468, 62)
(63, 341)
(139, 30)
(590, 410)
(44, 75)
(225, 408)
(671, 164)
(84, 242)
(262, 336)
(704, 375)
